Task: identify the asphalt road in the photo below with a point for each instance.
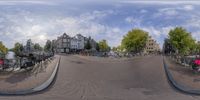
(81, 78)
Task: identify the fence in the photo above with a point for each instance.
(183, 60)
(23, 62)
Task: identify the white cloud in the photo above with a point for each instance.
(26, 2)
(158, 34)
(196, 35)
(114, 35)
(36, 29)
(181, 7)
(133, 20)
(163, 2)
(193, 22)
(173, 11)
(152, 31)
(188, 7)
(166, 12)
(143, 11)
(41, 28)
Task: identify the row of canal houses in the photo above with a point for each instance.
(66, 44)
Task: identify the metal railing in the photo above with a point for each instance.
(183, 60)
(24, 62)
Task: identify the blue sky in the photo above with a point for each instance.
(104, 19)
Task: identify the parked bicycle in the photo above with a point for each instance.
(196, 65)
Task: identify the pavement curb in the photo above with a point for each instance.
(177, 85)
(39, 88)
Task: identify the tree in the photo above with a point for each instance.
(18, 48)
(182, 41)
(134, 41)
(88, 45)
(103, 46)
(37, 47)
(3, 49)
(119, 48)
(167, 47)
(114, 48)
(197, 48)
(48, 46)
(97, 47)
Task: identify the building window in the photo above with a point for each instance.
(64, 40)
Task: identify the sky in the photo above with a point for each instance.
(40, 20)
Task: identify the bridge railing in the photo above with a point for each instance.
(183, 60)
(24, 61)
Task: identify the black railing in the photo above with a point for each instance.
(24, 61)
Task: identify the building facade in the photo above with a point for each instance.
(74, 44)
(151, 46)
(66, 44)
(93, 44)
(29, 47)
(62, 44)
(81, 42)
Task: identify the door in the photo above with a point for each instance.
(64, 50)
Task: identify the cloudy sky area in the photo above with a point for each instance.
(110, 19)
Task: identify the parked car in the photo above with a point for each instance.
(25, 63)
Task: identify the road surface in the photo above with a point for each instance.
(82, 78)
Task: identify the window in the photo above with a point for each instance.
(64, 40)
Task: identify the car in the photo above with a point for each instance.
(25, 63)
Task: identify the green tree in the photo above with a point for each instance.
(167, 47)
(114, 48)
(48, 46)
(197, 49)
(103, 46)
(37, 47)
(3, 49)
(134, 41)
(18, 48)
(182, 41)
(97, 47)
(120, 48)
(88, 45)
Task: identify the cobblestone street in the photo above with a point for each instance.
(90, 79)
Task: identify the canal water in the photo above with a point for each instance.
(10, 55)
(10, 59)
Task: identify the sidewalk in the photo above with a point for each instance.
(183, 75)
(24, 80)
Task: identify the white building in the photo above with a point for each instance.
(81, 41)
(74, 44)
(65, 43)
(151, 46)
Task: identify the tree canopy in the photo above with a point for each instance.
(48, 46)
(103, 46)
(135, 40)
(182, 41)
(3, 48)
(37, 47)
(18, 48)
(88, 45)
